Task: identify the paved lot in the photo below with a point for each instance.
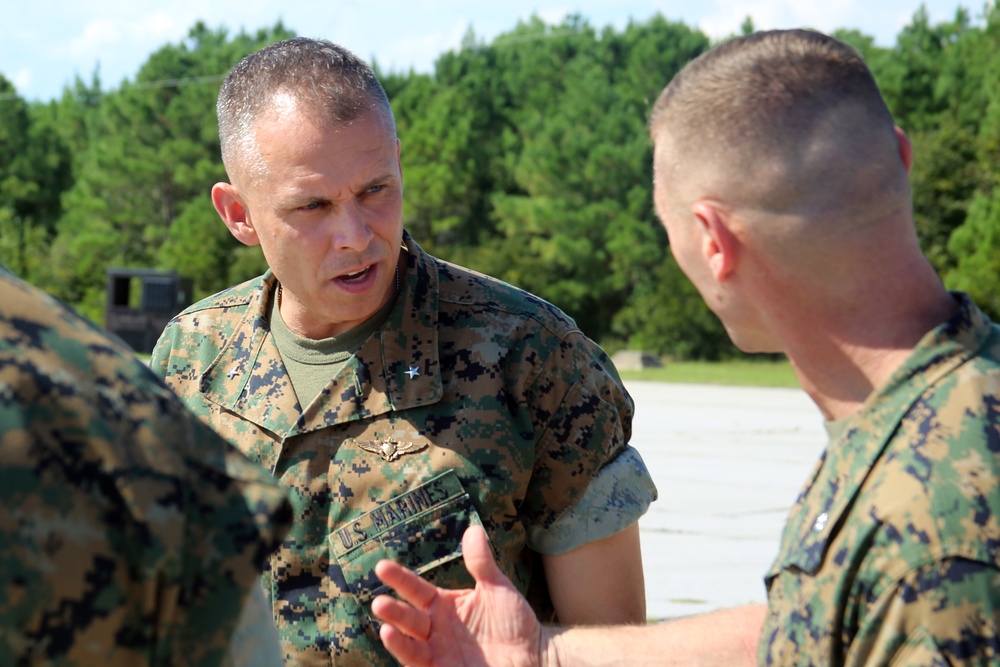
(728, 463)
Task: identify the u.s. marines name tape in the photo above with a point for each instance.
(404, 507)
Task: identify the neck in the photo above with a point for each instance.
(852, 349)
(291, 312)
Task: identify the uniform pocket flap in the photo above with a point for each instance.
(421, 529)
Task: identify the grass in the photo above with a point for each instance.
(735, 372)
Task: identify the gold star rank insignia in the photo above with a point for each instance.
(389, 449)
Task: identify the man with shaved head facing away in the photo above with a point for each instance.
(400, 398)
(783, 185)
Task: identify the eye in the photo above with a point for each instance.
(311, 206)
(375, 188)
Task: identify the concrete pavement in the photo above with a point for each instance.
(728, 463)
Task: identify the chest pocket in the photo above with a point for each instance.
(421, 529)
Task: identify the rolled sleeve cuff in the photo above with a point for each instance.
(619, 494)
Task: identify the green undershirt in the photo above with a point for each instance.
(311, 364)
(836, 428)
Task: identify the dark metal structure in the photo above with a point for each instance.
(141, 302)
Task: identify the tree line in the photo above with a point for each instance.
(525, 157)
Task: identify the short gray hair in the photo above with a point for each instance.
(330, 80)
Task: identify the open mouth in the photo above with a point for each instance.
(355, 277)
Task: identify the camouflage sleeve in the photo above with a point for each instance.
(161, 354)
(620, 493)
(162, 361)
(583, 417)
(945, 613)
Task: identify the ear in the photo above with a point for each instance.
(229, 205)
(905, 148)
(719, 245)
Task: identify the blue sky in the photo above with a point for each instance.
(47, 42)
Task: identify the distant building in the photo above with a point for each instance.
(141, 302)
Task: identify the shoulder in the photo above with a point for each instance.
(471, 294)
(235, 297)
(203, 328)
(82, 397)
(933, 493)
(82, 384)
(57, 361)
(483, 315)
(954, 417)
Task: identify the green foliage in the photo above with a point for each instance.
(144, 170)
(669, 318)
(547, 184)
(34, 170)
(525, 157)
(944, 177)
(976, 244)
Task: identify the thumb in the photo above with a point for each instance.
(479, 557)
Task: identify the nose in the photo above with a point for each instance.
(350, 228)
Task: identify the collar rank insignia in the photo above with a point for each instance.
(389, 449)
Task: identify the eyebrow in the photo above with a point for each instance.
(378, 180)
(297, 200)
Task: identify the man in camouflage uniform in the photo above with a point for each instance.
(399, 397)
(783, 185)
(130, 534)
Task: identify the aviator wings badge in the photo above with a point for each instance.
(389, 449)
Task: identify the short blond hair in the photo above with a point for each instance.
(778, 114)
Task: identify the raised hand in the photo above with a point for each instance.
(488, 626)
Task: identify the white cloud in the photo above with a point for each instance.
(102, 36)
(22, 79)
(97, 35)
(882, 20)
(727, 15)
(54, 39)
(410, 39)
(418, 51)
(553, 15)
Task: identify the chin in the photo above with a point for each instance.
(754, 344)
(759, 349)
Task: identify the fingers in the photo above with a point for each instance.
(407, 619)
(408, 651)
(479, 557)
(407, 584)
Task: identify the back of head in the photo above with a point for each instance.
(788, 123)
(321, 77)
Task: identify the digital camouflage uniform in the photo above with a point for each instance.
(130, 534)
(475, 402)
(890, 555)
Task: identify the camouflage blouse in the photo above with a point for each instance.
(890, 555)
(475, 403)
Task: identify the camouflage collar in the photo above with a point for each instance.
(841, 472)
(397, 368)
